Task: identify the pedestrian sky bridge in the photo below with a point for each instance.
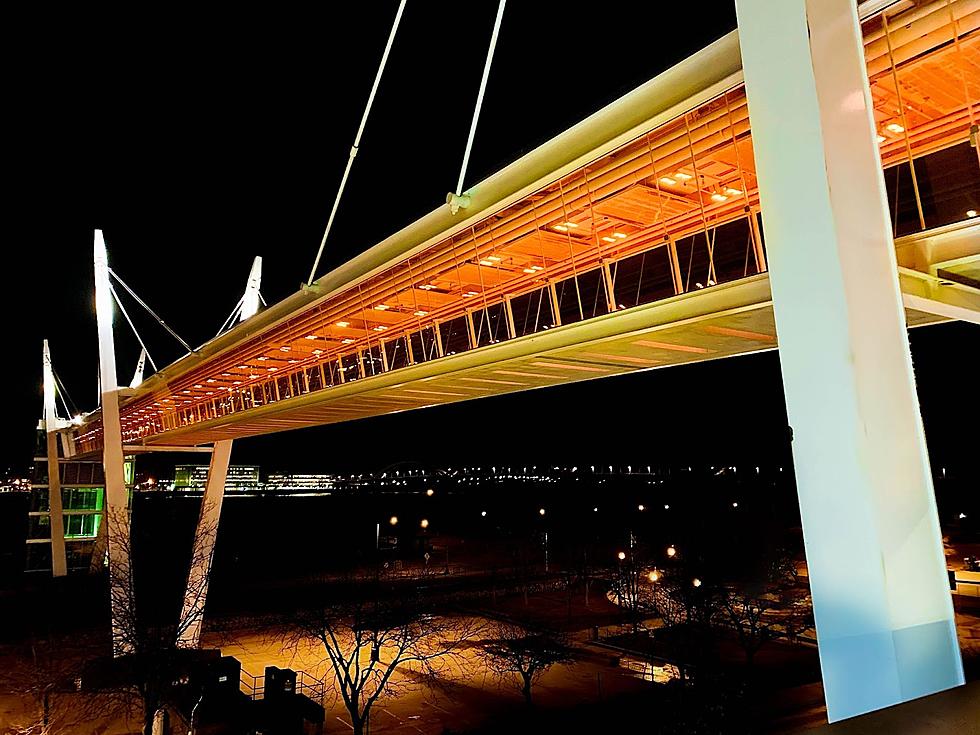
(635, 241)
(631, 241)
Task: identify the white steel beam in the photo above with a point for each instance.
(881, 598)
(56, 517)
(116, 519)
(199, 575)
(250, 300)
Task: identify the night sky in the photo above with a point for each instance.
(198, 142)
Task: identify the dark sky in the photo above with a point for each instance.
(198, 142)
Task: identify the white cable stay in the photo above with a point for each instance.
(357, 138)
(152, 313)
(231, 317)
(132, 326)
(456, 200)
(61, 393)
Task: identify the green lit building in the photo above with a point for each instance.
(83, 503)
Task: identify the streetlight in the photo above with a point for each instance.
(697, 582)
(540, 511)
(483, 514)
(671, 551)
(641, 507)
(430, 492)
(666, 507)
(424, 523)
(654, 575)
(621, 555)
(393, 520)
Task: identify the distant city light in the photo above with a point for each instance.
(424, 523)
(641, 507)
(483, 513)
(734, 505)
(393, 520)
(540, 511)
(697, 582)
(671, 551)
(666, 507)
(621, 555)
(430, 492)
(654, 576)
(962, 516)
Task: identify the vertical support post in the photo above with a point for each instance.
(553, 293)
(675, 266)
(408, 345)
(199, 575)
(881, 598)
(56, 516)
(437, 328)
(509, 311)
(471, 329)
(384, 356)
(116, 520)
(759, 249)
(607, 280)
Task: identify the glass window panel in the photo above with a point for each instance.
(732, 252)
(694, 262)
(351, 366)
(901, 200)
(490, 324)
(373, 364)
(532, 312)
(455, 335)
(949, 184)
(396, 351)
(643, 278)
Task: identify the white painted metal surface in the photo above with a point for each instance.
(198, 578)
(116, 518)
(877, 573)
(250, 301)
(59, 563)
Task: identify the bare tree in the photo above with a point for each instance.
(383, 644)
(747, 615)
(155, 665)
(633, 589)
(522, 655)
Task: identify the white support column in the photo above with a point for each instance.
(881, 598)
(199, 576)
(140, 367)
(56, 516)
(250, 300)
(116, 519)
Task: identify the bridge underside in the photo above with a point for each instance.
(724, 321)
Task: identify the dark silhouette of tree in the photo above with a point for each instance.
(522, 655)
(153, 660)
(381, 644)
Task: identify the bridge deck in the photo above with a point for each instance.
(631, 241)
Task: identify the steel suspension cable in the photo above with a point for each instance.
(152, 313)
(479, 97)
(132, 326)
(63, 394)
(357, 138)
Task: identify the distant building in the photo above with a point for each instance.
(294, 483)
(241, 478)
